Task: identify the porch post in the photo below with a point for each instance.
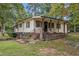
(67, 28)
(58, 25)
(41, 32)
(50, 24)
(64, 28)
(34, 25)
(54, 26)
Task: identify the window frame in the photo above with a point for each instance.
(20, 25)
(27, 24)
(38, 23)
(58, 25)
(52, 24)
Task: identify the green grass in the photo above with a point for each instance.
(13, 48)
(73, 37)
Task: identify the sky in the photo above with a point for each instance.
(25, 6)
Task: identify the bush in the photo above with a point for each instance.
(5, 37)
(12, 34)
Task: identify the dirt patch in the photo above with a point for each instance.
(48, 51)
(51, 52)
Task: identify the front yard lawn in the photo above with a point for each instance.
(52, 47)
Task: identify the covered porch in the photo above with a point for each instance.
(50, 28)
(50, 25)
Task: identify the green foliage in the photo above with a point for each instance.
(73, 10)
(19, 11)
(58, 10)
(74, 16)
(5, 37)
(39, 9)
(9, 13)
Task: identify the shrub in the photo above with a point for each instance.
(12, 34)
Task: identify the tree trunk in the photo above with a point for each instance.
(3, 29)
(74, 28)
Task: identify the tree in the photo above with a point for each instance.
(39, 9)
(58, 11)
(9, 13)
(4, 14)
(74, 15)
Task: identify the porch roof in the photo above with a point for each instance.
(34, 17)
(54, 18)
(51, 17)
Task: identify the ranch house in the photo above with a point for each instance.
(41, 27)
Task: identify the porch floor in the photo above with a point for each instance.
(49, 36)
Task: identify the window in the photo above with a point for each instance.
(16, 27)
(58, 25)
(38, 24)
(52, 25)
(27, 24)
(20, 25)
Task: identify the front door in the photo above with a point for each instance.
(45, 26)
